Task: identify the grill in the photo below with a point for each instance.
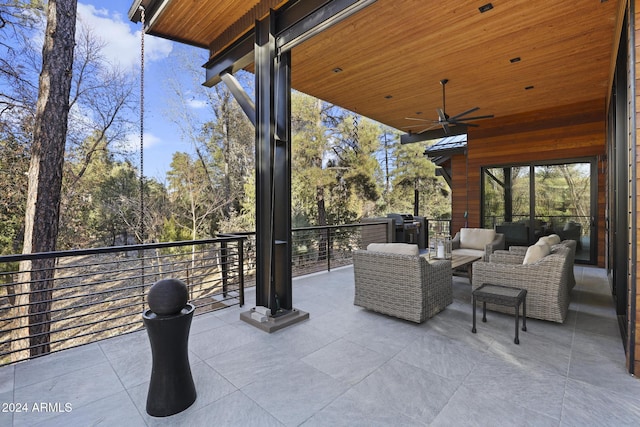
(407, 228)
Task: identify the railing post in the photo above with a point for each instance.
(142, 277)
(241, 269)
(328, 231)
(224, 267)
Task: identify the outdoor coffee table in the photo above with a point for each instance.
(464, 261)
(458, 261)
(502, 295)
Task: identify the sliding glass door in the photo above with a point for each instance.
(526, 202)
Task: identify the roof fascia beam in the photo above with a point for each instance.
(236, 57)
(444, 152)
(292, 32)
(152, 10)
(410, 138)
(294, 24)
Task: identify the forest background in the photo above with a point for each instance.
(344, 166)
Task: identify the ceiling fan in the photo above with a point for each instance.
(444, 119)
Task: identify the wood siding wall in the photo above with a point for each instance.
(564, 133)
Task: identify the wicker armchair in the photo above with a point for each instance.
(477, 241)
(404, 286)
(546, 281)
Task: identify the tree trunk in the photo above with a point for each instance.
(575, 197)
(322, 212)
(322, 220)
(45, 175)
(226, 154)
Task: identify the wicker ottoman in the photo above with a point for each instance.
(502, 295)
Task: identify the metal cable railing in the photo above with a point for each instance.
(88, 295)
(81, 296)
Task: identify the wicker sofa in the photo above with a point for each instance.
(547, 281)
(520, 251)
(404, 285)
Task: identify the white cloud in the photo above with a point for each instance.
(150, 140)
(133, 142)
(196, 104)
(122, 45)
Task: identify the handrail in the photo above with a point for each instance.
(112, 249)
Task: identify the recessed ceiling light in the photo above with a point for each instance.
(388, 97)
(514, 60)
(337, 70)
(485, 8)
(418, 112)
(528, 88)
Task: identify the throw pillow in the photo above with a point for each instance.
(536, 252)
(554, 238)
(394, 248)
(550, 240)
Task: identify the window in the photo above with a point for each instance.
(525, 202)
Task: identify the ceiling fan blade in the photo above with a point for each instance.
(473, 125)
(418, 119)
(441, 115)
(432, 134)
(489, 116)
(465, 113)
(445, 126)
(417, 125)
(429, 128)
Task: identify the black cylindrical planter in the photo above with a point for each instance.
(171, 389)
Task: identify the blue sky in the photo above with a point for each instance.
(109, 21)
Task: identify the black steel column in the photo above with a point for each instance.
(273, 171)
(282, 180)
(271, 42)
(508, 195)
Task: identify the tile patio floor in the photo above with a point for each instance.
(346, 366)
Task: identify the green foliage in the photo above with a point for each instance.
(335, 174)
(194, 197)
(414, 171)
(173, 232)
(14, 167)
(102, 208)
(116, 200)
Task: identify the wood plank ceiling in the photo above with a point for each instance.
(393, 54)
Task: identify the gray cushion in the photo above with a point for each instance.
(476, 238)
(395, 248)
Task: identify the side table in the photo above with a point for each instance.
(502, 295)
